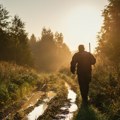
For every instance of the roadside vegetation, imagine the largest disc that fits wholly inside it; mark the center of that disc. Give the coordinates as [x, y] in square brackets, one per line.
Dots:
[105, 93]
[18, 83]
[15, 83]
[105, 87]
[49, 54]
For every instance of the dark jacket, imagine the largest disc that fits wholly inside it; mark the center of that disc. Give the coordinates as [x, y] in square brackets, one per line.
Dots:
[83, 61]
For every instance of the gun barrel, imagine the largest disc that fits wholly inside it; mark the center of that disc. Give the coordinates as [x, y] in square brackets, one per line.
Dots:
[89, 47]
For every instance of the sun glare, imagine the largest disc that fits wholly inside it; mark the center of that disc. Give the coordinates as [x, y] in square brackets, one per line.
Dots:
[82, 26]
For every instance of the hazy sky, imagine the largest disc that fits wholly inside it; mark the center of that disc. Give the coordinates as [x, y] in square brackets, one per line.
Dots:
[78, 20]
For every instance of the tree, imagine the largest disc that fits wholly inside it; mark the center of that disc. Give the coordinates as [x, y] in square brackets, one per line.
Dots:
[109, 37]
[32, 40]
[45, 51]
[4, 15]
[50, 53]
[19, 40]
[4, 36]
[59, 38]
[63, 52]
[13, 39]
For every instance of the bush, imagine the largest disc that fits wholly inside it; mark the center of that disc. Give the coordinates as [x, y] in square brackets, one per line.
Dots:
[15, 82]
[105, 92]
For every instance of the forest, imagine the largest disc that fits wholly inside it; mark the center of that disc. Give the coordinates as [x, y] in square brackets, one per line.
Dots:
[35, 72]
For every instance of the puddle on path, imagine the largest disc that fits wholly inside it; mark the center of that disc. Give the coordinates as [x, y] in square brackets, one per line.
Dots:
[39, 110]
[72, 108]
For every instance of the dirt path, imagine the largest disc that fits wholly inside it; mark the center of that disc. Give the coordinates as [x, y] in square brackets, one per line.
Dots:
[39, 99]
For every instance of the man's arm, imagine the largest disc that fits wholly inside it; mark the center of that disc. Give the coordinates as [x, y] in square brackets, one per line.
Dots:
[73, 64]
[92, 59]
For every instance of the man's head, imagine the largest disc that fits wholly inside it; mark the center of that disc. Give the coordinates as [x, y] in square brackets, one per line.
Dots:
[81, 48]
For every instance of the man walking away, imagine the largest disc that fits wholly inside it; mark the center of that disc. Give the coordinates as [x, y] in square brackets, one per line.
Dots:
[83, 61]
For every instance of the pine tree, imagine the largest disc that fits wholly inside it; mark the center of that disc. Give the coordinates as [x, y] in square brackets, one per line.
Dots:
[109, 37]
[19, 40]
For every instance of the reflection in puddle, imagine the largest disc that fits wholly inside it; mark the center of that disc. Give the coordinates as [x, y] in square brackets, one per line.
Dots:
[39, 110]
[73, 107]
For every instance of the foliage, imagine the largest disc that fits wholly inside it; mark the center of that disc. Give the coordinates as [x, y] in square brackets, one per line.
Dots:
[3, 17]
[105, 92]
[90, 113]
[15, 83]
[13, 40]
[109, 36]
[49, 53]
[105, 89]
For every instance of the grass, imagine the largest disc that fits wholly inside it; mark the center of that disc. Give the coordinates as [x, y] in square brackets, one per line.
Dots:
[90, 113]
[105, 93]
[16, 82]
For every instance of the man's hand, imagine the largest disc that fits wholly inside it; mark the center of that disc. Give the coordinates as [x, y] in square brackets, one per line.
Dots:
[73, 72]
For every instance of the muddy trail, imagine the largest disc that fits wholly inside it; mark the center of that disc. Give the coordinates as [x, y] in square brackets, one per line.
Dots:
[42, 105]
[49, 105]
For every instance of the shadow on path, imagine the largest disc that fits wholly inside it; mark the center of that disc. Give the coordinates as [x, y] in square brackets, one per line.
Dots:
[89, 113]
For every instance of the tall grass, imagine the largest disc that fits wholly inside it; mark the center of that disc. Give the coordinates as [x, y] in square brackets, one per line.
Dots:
[105, 92]
[15, 83]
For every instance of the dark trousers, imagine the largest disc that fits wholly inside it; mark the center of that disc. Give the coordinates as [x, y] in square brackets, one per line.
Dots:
[84, 80]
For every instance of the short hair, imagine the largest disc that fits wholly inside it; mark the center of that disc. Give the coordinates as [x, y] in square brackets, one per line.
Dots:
[81, 48]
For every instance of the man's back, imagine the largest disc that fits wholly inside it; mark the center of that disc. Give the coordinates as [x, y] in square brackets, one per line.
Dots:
[83, 60]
